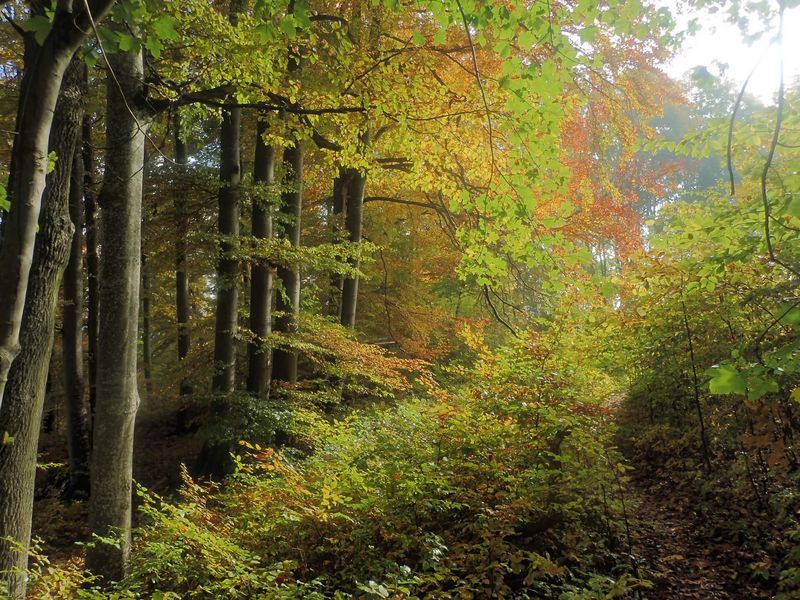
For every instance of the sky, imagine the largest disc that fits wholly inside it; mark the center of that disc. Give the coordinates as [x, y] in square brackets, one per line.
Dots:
[722, 41]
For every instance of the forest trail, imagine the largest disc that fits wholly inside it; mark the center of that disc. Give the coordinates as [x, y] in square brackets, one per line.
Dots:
[677, 551]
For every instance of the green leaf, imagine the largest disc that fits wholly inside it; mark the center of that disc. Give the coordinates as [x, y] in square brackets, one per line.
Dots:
[607, 289]
[527, 39]
[418, 38]
[51, 161]
[165, 28]
[90, 59]
[588, 34]
[761, 385]
[40, 26]
[154, 46]
[791, 315]
[109, 39]
[726, 380]
[126, 42]
[4, 203]
[793, 208]
[288, 27]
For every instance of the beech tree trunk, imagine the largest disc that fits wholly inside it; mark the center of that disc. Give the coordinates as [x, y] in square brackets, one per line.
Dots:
[21, 411]
[338, 202]
[41, 81]
[354, 182]
[181, 274]
[117, 393]
[72, 335]
[147, 350]
[92, 260]
[287, 303]
[215, 459]
[228, 267]
[261, 285]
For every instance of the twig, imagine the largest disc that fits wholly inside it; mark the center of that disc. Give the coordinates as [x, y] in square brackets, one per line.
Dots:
[730, 128]
[771, 154]
[483, 91]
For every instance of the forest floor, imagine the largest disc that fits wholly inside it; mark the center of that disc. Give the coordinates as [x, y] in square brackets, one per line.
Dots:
[686, 555]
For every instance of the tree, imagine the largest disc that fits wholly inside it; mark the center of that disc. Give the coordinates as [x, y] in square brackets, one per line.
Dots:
[41, 81]
[21, 412]
[72, 332]
[261, 277]
[287, 301]
[181, 274]
[117, 394]
[353, 184]
[215, 458]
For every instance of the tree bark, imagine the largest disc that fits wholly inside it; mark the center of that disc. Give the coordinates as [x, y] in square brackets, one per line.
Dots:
[261, 285]
[72, 335]
[92, 261]
[21, 412]
[287, 301]
[287, 304]
[228, 270]
[354, 182]
[147, 351]
[215, 459]
[117, 393]
[41, 82]
[338, 203]
[181, 274]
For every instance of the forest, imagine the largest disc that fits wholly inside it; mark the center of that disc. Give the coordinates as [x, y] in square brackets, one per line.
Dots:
[401, 299]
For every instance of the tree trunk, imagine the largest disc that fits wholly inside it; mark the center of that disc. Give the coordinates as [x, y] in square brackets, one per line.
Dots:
[92, 260]
[228, 266]
[147, 351]
[21, 412]
[355, 182]
[338, 204]
[215, 459]
[261, 286]
[287, 303]
[117, 394]
[181, 275]
[72, 336]
[41, 82]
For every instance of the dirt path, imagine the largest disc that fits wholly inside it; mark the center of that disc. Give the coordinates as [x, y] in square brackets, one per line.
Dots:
[678, 553]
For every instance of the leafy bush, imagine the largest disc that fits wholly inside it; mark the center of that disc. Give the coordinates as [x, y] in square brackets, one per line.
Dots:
[501, 486]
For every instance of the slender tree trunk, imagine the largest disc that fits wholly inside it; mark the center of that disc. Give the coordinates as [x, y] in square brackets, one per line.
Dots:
[181, 274]
[261, 286]
[287, 303]
[21, 412]
[92, 260]
[228, 269]
[696, 387]
[355, 182]
[338, 204]
[72, 336]
[41, 81]
[215, 459]
[147, 351]
[117, 394]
